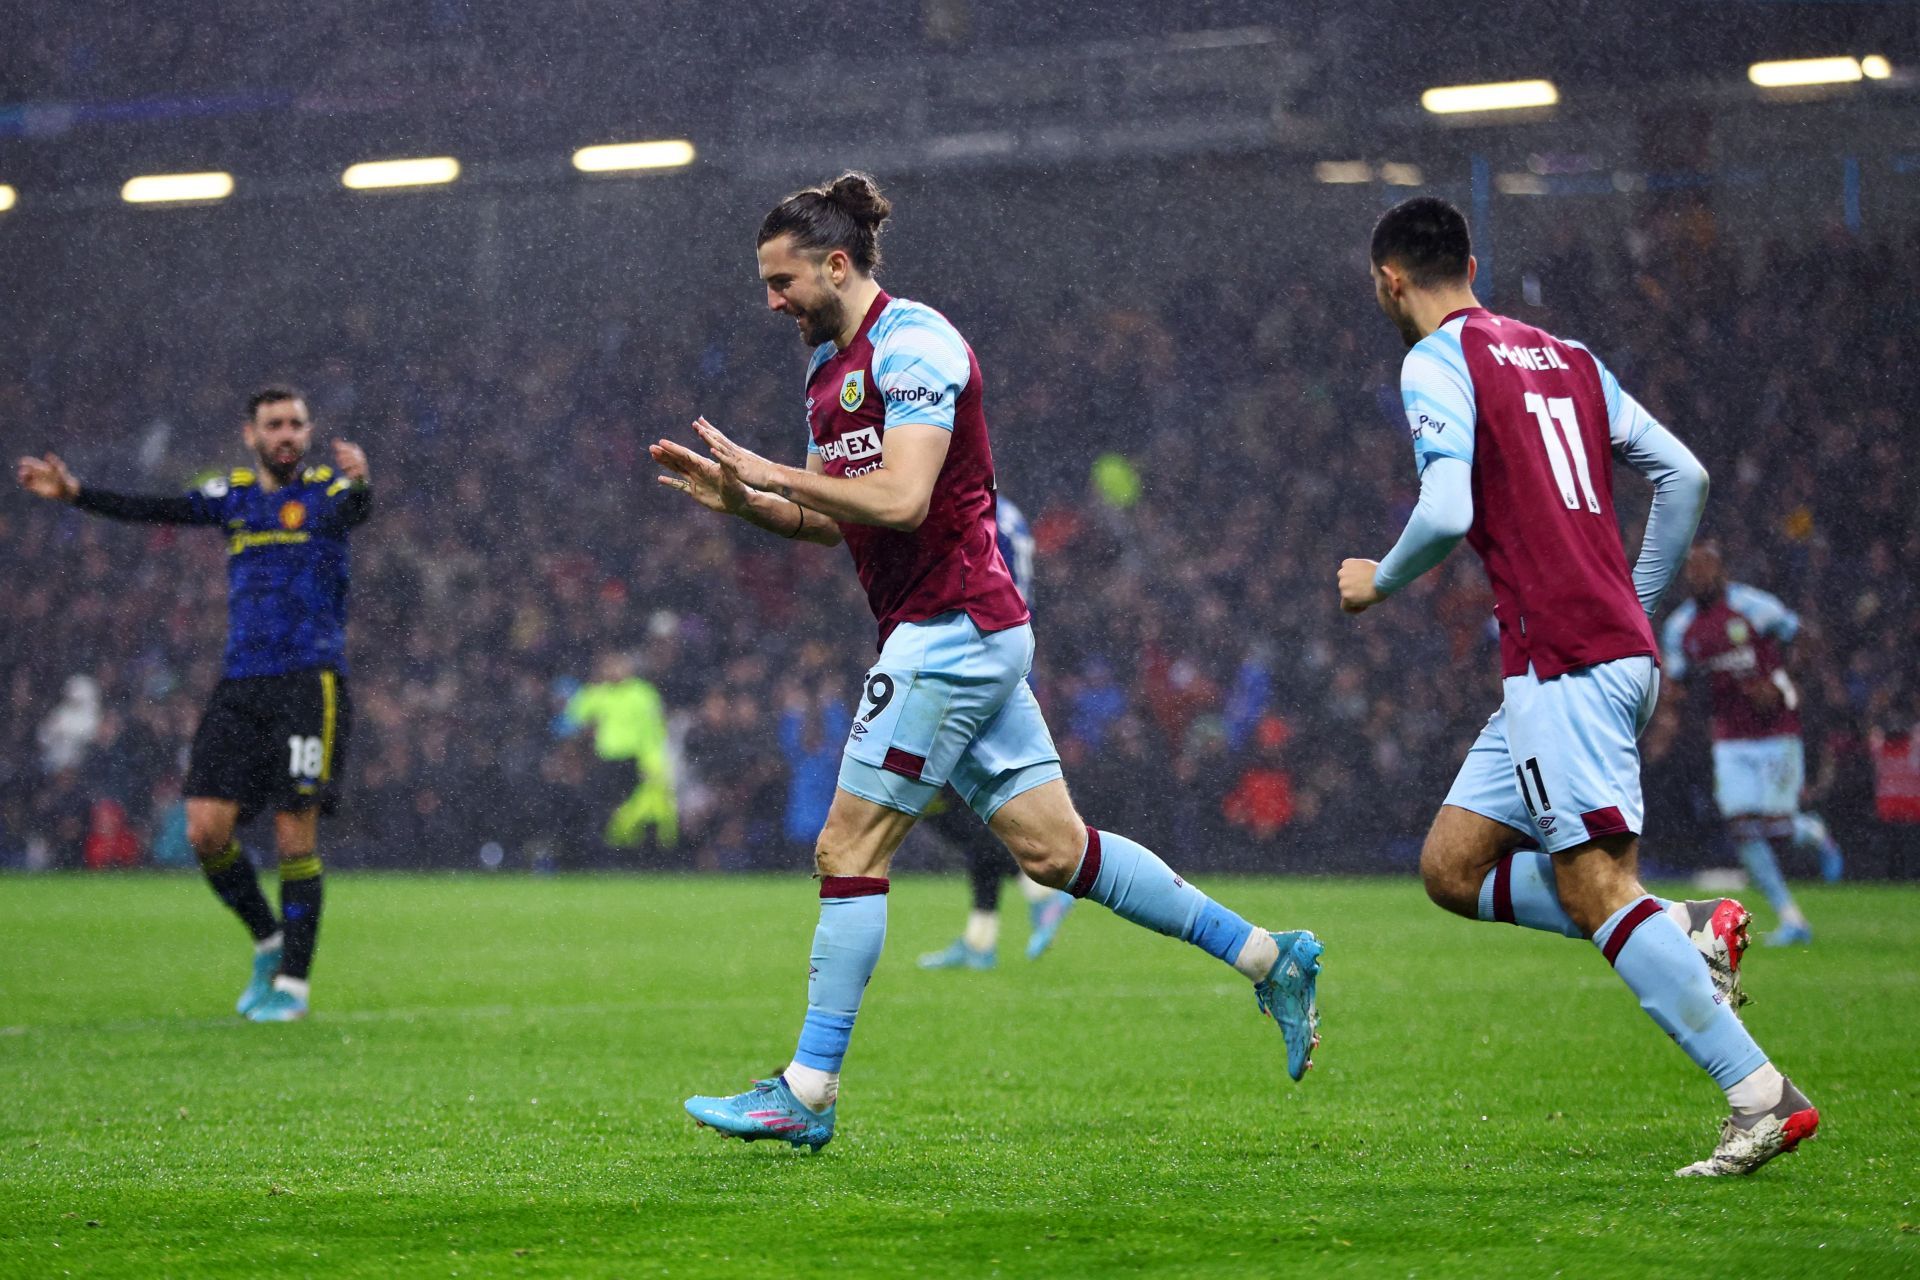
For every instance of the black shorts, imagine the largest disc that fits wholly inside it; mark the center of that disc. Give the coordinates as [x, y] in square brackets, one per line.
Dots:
[272, 742]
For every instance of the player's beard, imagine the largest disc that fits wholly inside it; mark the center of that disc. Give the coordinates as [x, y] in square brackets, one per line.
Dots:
[822, 323]
[1403, 321]
[282, 472]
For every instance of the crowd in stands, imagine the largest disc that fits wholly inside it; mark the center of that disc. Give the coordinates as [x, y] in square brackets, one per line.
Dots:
[1195, 467]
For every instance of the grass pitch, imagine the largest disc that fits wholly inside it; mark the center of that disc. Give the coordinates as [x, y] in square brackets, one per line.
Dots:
[491, 1086]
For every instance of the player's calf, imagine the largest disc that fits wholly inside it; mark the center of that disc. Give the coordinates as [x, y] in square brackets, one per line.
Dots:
[1135, 884]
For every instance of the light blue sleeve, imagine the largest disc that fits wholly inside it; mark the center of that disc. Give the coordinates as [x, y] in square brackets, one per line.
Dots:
[1764, 611]
[920, 367]
[1437, 393]
[1679, 486]
[1439, 520]
[821, 354]
[1673, 649]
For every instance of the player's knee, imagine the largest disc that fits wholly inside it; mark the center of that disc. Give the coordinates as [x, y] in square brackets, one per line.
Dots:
[1596, 880]
[835, 854]
[1053, 868]
[1044, 833]
[208, 836]
[1049, 853]
[1449, 881]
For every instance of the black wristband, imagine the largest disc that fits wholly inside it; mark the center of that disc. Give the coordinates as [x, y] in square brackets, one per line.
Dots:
[803, 520]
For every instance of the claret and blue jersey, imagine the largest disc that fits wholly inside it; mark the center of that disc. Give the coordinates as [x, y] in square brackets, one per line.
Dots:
[1537, 419]
[907, 365]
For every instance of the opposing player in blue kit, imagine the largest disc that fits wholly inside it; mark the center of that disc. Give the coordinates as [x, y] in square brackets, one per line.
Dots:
[1515, 433]
[900, 471]
[275, 730]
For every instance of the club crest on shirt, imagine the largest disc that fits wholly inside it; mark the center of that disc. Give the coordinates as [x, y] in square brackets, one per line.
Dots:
[293, 514]
[1738, 632]
[853, 392]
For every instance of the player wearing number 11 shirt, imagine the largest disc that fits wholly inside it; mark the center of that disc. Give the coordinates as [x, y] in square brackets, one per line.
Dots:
[1515, 432]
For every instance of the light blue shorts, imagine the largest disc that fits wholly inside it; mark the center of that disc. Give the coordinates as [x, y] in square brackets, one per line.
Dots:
[1759, 777]
[949, 703]
[1560, 759]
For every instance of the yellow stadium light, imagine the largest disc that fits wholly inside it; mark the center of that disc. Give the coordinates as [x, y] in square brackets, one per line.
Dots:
[1401, 175]
[1520, 184]
[1508, 96]
[616, 157]
[426, 171]
[169, 188]
[8, 197]
[1804, 71]
[1340, 171]
[1875, 67]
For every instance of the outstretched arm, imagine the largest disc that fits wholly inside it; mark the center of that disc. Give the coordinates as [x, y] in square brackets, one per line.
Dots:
[894, 495]
[703, 480]
[49, 477]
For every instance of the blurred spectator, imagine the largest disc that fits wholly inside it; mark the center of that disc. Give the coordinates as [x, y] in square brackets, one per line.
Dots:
[813, 729]
[1261, 802]
[69, 728]
[518, 538]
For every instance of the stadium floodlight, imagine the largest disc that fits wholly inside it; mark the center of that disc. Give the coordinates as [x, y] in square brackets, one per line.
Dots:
[1520, 184]
[8, 197]
[1342, 171]
[1796, 72]
[1875, 67]
[1510, 95]
[1401, 175]
[175, 188]
[425, 171]
[620, 157]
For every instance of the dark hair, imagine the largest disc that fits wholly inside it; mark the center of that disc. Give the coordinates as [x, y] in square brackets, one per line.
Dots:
[1427, 238]
[844, 214]
[273, 393]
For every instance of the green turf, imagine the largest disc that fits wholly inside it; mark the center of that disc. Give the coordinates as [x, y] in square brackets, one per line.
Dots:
[491, 1085]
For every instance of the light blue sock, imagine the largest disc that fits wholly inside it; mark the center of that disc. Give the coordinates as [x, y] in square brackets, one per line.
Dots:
[1651, 954]
[1131, 881]
[1521, 890]
[1756, 854]
[846, 947]
[1810, 832]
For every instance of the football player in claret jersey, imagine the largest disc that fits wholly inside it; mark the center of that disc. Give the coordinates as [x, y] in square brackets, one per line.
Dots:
[275, 730]
[1736, 635]
[988, 863]
[899, 469]
[1515, 432]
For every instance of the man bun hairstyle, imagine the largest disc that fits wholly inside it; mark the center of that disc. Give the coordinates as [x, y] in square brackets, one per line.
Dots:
[843, 214]
[272, 393]
[1427, 238]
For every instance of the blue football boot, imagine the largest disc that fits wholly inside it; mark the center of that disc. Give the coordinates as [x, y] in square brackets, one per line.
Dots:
[1790, 935]
[1286, 996]
[266, 964]
[958, 956]
[768, 1110]
[278, 1006]
[1047, 915]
